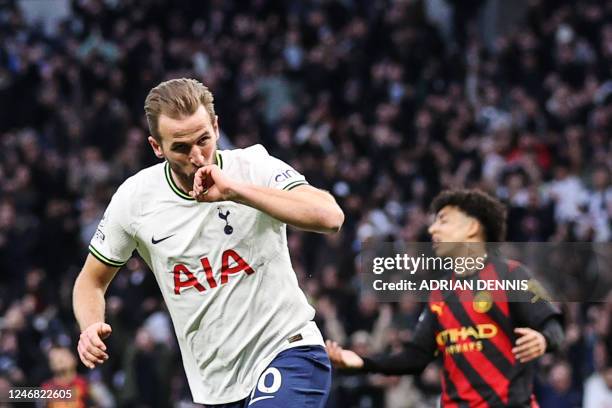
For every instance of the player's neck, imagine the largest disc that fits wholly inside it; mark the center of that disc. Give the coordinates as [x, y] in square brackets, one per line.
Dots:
[181, 182]
[470, 249]
[476, 269]
[477, 252]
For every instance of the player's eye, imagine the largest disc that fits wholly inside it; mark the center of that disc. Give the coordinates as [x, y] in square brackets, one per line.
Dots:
[180, 148]
[202, 141]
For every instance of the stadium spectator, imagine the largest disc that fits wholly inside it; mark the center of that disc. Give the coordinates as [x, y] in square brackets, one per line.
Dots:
[63, 366]
[598, 389]
[560, 392]
[146, 366]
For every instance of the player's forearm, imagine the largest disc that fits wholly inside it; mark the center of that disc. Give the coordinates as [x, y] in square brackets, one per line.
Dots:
[312, 210]
[553, 333]
[412, 360]
[88, 302]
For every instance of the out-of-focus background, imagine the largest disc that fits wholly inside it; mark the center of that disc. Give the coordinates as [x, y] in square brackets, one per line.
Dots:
[383, 103]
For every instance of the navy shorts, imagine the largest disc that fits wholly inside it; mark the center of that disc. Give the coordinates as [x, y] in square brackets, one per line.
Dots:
[299, 377]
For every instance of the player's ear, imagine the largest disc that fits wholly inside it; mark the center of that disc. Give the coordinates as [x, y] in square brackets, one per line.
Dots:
[157, 149]
[474, 228]
[216, 127]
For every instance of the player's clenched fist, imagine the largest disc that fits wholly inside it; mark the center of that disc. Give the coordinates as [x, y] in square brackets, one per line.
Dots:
[210, 185]
[92, 349]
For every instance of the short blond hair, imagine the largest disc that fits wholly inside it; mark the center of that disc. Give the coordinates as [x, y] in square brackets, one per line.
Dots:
[176, 98]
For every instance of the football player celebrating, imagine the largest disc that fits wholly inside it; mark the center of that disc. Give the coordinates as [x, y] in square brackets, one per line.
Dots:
[488, 344]
[211, 225]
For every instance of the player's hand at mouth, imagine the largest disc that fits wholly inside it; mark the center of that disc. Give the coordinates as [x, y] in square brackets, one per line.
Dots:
[211, 185]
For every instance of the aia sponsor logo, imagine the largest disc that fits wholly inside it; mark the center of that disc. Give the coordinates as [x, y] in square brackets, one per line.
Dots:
[231, 263]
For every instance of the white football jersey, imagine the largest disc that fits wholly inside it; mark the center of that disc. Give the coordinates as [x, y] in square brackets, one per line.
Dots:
[223, 269]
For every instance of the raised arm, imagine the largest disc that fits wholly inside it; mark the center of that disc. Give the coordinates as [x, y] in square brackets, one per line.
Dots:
[88, 304]
[304, 207]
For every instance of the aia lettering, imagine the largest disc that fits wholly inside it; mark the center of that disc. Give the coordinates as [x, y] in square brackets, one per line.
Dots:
[190, 281]
[229, 257]
[241, 265]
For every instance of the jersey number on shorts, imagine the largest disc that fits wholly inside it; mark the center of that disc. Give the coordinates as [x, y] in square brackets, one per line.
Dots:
[229, 256]
[267, 389]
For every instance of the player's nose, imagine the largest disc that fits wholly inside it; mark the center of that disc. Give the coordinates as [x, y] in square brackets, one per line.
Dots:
[432, 229]
[196, 157]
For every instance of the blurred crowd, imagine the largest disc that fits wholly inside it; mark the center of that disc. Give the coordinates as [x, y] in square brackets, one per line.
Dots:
[381, 102]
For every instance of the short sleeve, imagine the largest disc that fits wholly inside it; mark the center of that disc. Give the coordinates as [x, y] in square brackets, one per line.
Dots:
[113, 241]
[275, 173]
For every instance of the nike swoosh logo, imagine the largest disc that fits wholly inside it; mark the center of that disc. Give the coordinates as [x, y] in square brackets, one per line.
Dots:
[259, 399]
[157, 241]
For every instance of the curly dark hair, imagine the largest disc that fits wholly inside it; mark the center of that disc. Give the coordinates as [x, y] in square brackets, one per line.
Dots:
[489, 211]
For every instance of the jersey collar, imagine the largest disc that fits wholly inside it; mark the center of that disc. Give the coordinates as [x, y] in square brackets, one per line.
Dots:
[179, 191]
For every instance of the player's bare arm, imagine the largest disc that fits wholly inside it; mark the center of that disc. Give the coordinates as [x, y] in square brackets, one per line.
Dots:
[88, 304]
[304, 207]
